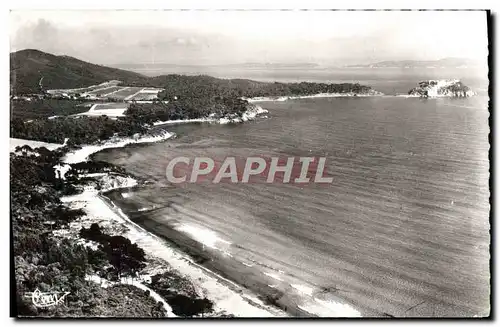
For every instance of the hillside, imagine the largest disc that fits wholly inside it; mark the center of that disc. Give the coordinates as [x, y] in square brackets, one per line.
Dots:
[27, 67]
[63, 72]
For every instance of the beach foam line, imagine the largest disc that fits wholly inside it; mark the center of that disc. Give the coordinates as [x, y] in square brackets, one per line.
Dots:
[323, 308]
[303, 289]
[204, 236]
[274, 276]
[218, 289]
[226, 295]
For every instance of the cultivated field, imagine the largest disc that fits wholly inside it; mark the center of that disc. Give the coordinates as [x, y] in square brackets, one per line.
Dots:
[111, 90]
[105, 91]
[84, 89]
[111, 105]
[109, 109]
[141, 96]
[126, 93]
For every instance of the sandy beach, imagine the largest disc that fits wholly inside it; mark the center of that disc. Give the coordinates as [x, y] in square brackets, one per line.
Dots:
[228, 297]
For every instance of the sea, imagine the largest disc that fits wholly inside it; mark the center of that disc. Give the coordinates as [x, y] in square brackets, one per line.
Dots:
[402, 231]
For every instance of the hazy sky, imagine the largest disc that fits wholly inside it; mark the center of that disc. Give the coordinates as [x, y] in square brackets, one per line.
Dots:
[218, 37]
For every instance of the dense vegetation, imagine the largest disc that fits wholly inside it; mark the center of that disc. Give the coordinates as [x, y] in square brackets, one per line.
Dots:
[186, 108]
[50, 264]
[457, 89]
[125, 256]
[188, 97]
[54, 264]
[181, 86]
[88, 130]
[451, 89]
[182, 305]
[128, 258]
[79, 130]
[44, 108]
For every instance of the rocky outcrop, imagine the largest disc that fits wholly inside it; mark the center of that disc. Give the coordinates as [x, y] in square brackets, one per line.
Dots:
[441, 88]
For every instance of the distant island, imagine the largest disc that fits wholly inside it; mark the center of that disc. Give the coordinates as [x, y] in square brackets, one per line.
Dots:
[441, 63]
[441, 88]
[193, 67]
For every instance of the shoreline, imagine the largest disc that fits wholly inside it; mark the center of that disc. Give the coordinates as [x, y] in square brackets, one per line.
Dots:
[299, 299]
[348, 95]
[221, 290]
[15, 142]
[227, 296]
[83, 201]
[248, 115]
[312, 96]
[84, 153]
[233, 297]
[154, 243]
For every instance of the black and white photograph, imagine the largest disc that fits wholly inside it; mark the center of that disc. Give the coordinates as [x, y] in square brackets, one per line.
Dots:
[223, 164]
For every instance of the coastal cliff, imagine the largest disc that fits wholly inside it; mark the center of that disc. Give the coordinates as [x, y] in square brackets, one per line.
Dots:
[441, 88]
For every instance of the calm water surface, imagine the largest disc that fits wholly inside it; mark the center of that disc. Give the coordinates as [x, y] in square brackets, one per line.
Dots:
[403, 230]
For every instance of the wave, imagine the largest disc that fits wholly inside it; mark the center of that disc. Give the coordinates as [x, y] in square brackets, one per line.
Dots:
[204, 236]
[303, 289]
[226, 296]
[274, 276]
[327, 308]
[237, 302]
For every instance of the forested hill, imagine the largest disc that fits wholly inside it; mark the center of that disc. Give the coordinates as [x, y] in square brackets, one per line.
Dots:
[63, 72]
[28, 66]
[202, 86]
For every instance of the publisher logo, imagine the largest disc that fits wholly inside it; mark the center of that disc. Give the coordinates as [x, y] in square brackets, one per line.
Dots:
[255, 169]
[46, 299]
